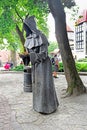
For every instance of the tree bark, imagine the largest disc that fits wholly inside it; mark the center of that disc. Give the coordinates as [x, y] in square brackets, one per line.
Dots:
[75, 84]
[13, 58]
[20, 33]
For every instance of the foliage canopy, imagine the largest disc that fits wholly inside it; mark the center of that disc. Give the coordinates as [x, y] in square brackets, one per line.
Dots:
[13, 12]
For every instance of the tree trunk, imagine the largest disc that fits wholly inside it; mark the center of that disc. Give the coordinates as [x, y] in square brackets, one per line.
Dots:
[13, 58]
[20, 33]
[75, 85]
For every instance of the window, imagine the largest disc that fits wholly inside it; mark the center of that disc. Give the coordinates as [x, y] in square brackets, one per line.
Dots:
[86, 42]
[79, 37]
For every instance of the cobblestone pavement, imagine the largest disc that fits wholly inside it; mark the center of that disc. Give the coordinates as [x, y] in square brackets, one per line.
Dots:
[16, 111]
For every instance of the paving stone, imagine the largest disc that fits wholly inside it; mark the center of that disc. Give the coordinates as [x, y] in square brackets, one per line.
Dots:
[16, 112]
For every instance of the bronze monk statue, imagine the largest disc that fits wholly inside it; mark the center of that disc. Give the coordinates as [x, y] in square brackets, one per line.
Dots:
[44, 95]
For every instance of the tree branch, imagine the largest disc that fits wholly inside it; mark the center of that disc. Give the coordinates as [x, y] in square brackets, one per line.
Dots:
[20, 35]
[18, 14]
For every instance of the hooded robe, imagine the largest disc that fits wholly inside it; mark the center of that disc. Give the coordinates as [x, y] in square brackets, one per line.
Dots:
[44, 94]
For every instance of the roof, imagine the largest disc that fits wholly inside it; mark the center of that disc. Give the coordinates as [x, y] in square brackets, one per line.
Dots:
[83, 17]
[68, 29]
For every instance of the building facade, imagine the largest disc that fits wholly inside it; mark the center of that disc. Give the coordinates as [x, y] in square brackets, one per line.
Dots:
[80, 44]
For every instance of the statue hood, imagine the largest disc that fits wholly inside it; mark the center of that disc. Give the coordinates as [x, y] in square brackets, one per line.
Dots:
[31, 23]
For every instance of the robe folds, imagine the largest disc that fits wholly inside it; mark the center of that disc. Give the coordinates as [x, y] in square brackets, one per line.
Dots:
[44, 94]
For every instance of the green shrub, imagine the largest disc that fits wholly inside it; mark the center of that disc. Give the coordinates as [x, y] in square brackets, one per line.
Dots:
[81, 66]
[18, 68]
[78, 66]
[61, 69]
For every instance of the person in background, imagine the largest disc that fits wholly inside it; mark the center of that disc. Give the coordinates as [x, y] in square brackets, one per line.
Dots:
[56, 66]
[7, 66]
